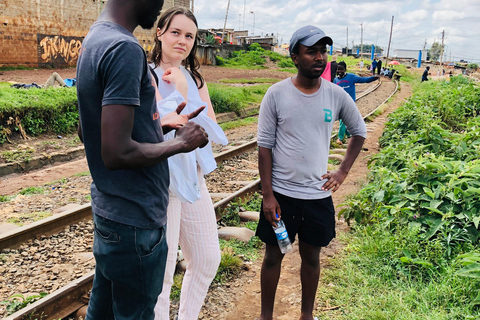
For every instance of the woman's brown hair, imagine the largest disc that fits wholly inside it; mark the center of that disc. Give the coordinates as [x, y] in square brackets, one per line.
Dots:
[191, 63]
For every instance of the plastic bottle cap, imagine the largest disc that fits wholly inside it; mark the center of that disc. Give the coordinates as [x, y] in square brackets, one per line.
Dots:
[276, 214]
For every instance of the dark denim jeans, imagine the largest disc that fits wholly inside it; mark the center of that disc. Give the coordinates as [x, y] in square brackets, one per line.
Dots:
[130, 265]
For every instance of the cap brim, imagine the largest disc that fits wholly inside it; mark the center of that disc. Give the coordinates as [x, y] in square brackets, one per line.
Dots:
[310, 41]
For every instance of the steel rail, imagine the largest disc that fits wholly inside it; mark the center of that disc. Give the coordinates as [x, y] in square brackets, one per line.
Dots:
[69, 299]
[50, 225]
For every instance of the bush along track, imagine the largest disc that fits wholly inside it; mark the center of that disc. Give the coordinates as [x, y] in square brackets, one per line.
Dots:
[417, 221]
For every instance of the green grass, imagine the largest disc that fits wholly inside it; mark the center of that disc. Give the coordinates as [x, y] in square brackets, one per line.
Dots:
[227, 98]
[24, 155]
[82, 174]
[255, 80]
[291, 70]
[238, 123]
[5, 198]
[32, 190]
[11, 68]
[35, 216]
[38, 110]
[369, 281]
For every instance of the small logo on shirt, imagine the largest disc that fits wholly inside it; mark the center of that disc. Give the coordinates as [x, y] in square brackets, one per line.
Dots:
[328, 115]
[156, 116]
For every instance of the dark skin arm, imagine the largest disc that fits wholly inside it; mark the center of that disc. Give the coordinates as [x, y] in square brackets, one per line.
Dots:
[174, 120]
[270, 204]
[79, 131]
[120, 151]
[336, 178]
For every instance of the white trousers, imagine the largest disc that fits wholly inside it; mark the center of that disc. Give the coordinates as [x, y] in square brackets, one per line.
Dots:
[193, 226]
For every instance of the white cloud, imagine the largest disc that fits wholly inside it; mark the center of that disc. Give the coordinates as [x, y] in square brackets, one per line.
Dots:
[414, 20]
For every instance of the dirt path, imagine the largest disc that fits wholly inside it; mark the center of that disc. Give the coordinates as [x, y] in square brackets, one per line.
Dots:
[246, 304]
[211, 74]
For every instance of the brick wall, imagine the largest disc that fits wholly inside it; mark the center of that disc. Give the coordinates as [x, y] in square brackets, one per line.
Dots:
[50, 32]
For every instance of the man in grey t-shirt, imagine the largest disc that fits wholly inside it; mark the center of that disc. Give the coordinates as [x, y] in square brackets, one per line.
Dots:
[294, 130]
[126, 154]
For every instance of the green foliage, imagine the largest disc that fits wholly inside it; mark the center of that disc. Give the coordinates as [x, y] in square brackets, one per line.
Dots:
[254, 58]
[255, 47]
[435, 51]
[210, 39]
[19, 301]
[238, 123]
[38, 110]
[231, 215]
[230, 265]
[250, 81]
[286, 63]
[231, 99]
[29, 217]
[24, 155]
[219, 61]
[176, 287]
[32, 190]
[472, 66]
[369, 280]
[427, 176]
[5, 198]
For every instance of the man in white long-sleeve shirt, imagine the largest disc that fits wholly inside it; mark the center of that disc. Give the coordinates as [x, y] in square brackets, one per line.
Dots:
[294, 131]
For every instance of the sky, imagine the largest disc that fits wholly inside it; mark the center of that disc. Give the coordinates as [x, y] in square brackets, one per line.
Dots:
[416, 23]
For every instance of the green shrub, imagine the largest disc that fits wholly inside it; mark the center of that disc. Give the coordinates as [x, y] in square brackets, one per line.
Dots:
[37, 111]
[286, 63]
[255, 47]
[428, 173]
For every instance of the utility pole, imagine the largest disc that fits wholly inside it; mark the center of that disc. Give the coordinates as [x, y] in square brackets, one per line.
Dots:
[389, 40]
[225, 24]
[347, 41]
[361, 41]
[441, 52]
[244, 4]
[239, 15]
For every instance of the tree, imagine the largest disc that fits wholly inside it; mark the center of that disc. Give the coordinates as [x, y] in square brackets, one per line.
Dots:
[472, 66]
[435, 51]
[367, 48]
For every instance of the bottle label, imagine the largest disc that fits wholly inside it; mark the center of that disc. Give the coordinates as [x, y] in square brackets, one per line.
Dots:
[281, 235]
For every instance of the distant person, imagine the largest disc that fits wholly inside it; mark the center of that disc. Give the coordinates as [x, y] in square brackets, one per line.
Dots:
[330, 70]
[294, 131]
[126, 154]
[361, 65]
[374, 66]
[379, 66]
[391, 73]
[54, 78]
[425, 74]
[347, 81]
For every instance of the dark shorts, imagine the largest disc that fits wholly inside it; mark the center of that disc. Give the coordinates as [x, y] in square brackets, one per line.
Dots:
[312, 220]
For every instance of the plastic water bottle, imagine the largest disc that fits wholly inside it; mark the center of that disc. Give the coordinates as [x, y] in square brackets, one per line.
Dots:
[282, 237]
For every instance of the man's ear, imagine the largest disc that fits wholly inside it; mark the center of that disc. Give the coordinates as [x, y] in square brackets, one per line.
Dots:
[294, 57]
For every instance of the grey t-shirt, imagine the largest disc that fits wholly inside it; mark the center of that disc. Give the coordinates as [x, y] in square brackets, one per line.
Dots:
[112, 70]
[297, 128]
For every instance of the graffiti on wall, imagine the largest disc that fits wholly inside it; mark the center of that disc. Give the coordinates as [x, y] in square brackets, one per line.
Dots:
[58, 50]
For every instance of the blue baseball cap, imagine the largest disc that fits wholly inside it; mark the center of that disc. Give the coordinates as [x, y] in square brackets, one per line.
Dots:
[308, 36]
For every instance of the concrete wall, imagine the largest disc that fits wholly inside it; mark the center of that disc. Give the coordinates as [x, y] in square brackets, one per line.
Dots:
[50, 32]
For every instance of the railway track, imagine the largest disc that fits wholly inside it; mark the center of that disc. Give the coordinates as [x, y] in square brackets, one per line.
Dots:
[68, 299]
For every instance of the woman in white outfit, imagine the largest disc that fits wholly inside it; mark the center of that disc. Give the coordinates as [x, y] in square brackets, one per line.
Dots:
[191, 218]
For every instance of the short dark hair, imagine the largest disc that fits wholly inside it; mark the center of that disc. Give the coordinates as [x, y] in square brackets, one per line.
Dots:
[342, 63]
